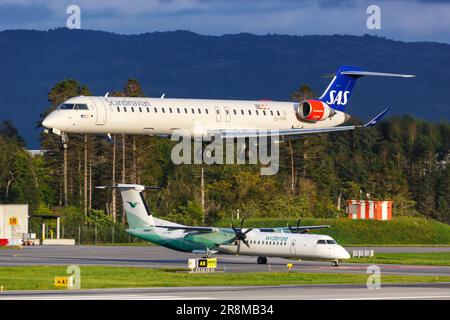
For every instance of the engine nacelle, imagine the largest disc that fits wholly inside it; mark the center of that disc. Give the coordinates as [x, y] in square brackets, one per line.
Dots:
[314, 110]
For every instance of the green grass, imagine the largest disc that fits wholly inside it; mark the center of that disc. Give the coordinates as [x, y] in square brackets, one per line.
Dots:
[431, 259]
[42, 277]
[399, 231]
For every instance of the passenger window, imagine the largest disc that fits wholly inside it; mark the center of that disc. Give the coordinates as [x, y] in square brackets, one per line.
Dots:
[124, 109]
[132, 109]
[199, 111]
[271, 112]
[178, 110]
[242, 112]
[156, 110]
[249, 112]
[192, 110]
[170, 110]
[148, 110]
[163, 111]
[185, 110]
[118, 109]
[217, 111]
[207, 112]
[278, 113]
[234, 111]
[257, 113]
[264, 112]
[140, 109]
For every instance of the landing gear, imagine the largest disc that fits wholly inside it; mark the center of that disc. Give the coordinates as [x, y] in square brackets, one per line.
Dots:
[64, 140]
[335, 263]
[261, 260]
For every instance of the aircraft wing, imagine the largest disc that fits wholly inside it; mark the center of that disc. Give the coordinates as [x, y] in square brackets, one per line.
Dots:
[303, 228]
[295, 132]
[189, 228]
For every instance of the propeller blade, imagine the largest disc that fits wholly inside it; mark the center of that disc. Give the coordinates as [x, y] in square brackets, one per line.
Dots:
[242, 222]
[248, 230]
[238, 247]
[246, 243]
[298, 222]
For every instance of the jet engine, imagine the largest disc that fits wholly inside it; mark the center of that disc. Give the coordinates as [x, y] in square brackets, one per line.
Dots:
[314, 110]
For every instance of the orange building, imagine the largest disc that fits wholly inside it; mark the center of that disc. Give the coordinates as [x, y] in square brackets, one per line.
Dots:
[366, 209]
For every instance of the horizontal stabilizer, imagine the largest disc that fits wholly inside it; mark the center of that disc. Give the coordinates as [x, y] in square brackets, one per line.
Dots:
[357, 73]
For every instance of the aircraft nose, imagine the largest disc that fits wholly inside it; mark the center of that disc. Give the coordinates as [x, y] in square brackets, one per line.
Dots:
[49, 121]
[344, 254]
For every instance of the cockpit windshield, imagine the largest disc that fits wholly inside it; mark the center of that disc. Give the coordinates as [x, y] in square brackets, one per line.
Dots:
[326, 242]
[71, 106]
[66, 106]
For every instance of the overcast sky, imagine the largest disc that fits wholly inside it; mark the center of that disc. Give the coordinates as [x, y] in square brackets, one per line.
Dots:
[413, 20]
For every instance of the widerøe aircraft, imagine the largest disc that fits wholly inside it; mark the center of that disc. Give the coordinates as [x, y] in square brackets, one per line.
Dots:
[204, 117]
[284, 242]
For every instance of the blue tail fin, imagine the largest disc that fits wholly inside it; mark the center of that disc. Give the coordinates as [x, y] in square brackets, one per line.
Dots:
[340, 89]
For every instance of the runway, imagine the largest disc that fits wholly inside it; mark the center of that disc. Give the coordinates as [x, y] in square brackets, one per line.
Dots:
[306, 292]
[159, 257]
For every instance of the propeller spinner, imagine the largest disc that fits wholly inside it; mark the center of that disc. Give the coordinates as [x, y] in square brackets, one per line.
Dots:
[240, 236]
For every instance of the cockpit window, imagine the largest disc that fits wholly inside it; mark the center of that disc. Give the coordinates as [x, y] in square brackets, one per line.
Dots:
[81, 107]
[321, 242]
[66, 106]
[331, 242]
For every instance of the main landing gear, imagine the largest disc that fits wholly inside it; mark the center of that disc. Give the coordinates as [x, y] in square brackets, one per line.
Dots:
[335, 263]
[261, 260]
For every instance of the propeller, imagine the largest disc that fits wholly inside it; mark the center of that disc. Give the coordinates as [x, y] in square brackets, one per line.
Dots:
[296, 229]
[240, 236]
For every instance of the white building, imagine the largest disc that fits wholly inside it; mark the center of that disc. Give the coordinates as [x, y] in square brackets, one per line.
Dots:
[13, 221]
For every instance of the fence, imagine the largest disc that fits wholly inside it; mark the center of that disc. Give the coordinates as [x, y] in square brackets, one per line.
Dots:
[90, 234]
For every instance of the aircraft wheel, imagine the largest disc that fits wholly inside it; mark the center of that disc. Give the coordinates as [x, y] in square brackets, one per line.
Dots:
[335, 263]
[261, 260]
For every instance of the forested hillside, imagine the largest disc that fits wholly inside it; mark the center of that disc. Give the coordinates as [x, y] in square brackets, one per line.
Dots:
[183, 64]
[403, 158]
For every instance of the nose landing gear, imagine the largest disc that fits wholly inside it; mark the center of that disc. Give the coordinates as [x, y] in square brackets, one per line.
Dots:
[335, 263]
[64, 140]
[261, 260]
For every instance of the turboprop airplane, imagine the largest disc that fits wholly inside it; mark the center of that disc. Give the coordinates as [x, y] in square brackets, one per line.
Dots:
[203, 117]
[284, 242]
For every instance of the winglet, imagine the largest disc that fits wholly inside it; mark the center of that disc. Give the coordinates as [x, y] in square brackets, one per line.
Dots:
[375, 120]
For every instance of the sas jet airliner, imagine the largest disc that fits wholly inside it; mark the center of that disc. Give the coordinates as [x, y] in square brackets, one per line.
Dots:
[201, 117]
[288, 242]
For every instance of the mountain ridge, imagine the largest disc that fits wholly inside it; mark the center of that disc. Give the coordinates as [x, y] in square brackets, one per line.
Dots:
[185, 64]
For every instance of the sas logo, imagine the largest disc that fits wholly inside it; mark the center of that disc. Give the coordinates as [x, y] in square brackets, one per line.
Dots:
[339, 98]
[132, 204]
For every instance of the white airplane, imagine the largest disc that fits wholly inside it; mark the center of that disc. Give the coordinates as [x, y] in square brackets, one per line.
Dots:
[202, 117]
[288, 242]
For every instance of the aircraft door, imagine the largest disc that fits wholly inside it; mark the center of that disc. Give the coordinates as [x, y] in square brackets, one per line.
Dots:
[218, 114]
[101, 112]
[293, 251]
[227, 114]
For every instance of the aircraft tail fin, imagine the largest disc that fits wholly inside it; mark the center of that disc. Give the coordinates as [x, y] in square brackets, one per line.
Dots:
[136, 209]
[338, 92]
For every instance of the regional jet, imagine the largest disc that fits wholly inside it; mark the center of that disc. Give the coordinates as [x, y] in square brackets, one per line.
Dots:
[284, 242]
[202, 118]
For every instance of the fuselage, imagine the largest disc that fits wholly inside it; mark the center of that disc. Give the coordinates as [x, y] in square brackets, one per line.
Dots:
[150, 116]
[268, 244]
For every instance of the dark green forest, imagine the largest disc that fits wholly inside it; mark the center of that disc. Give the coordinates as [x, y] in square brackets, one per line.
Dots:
[403, 159]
